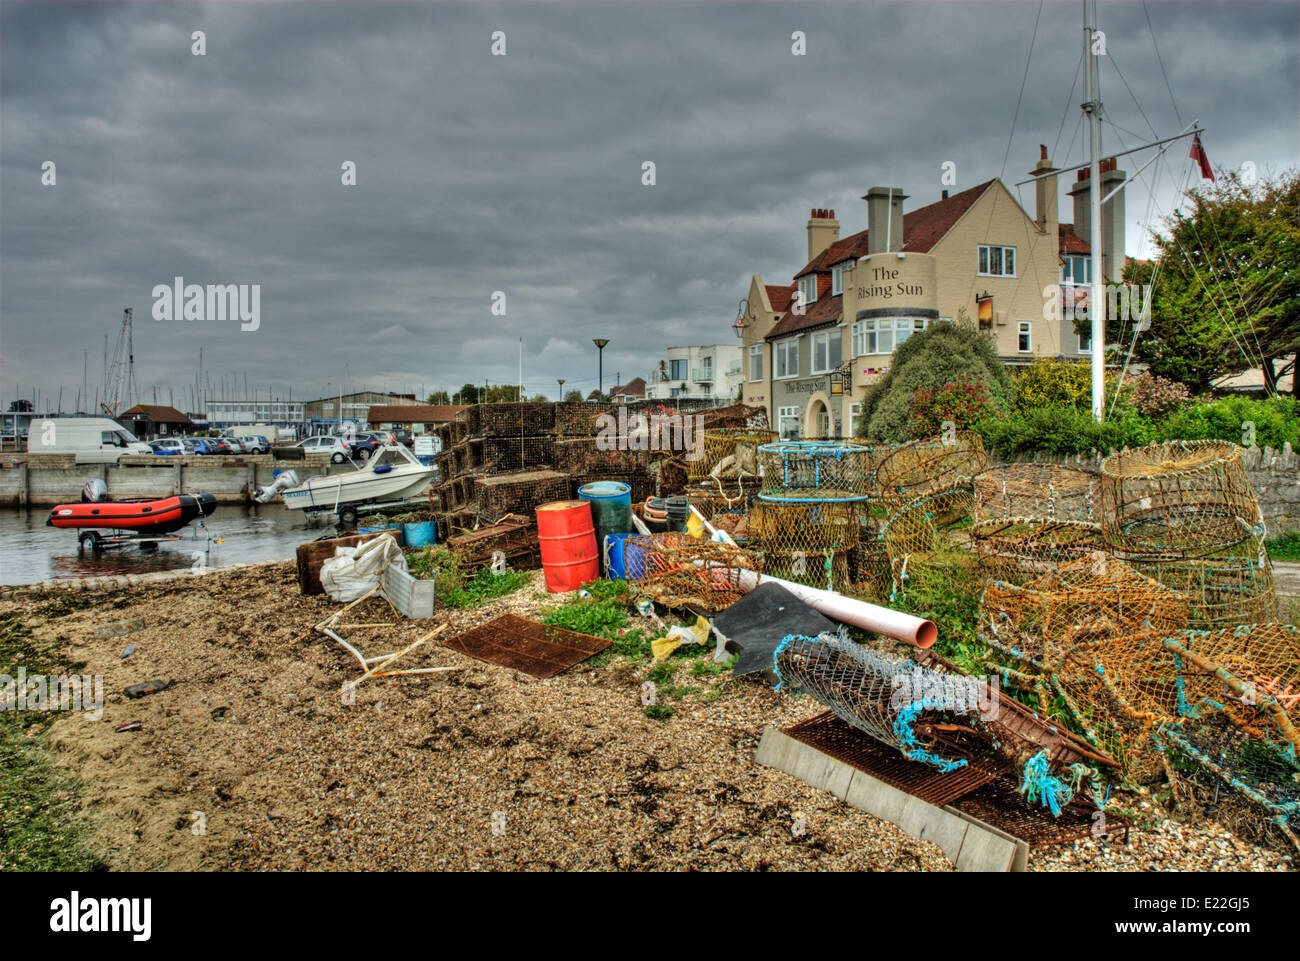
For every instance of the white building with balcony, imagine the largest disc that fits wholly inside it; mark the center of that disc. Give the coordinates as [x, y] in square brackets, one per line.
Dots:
[698, 373]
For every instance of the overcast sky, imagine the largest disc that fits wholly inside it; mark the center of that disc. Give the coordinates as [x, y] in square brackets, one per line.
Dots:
[523, 173]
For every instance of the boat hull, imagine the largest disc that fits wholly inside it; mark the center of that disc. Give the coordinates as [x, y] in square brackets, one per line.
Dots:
[160, 515]
[323, 493]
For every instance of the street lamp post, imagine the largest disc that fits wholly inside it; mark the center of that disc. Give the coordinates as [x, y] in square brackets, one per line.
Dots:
[560, 380]
[600, 343]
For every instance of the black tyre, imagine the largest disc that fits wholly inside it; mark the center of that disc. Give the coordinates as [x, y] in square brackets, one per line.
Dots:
[91, 541]
[337, 457]
[363, 455]
[347, 517]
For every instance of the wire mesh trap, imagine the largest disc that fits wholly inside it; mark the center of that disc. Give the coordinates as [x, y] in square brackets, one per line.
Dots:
[1018, 549]
[815, 471]
[1179, 498]
[927, 538]
[808, 543]
[524, 645]
[926, 466]
[730, 452]
[680, 571]
[1050, 492]
[1232, 586]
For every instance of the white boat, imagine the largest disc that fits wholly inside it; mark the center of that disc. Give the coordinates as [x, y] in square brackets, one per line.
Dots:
[392, 473]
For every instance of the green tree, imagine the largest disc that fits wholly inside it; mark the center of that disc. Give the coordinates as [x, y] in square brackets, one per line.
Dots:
[469, 394]
[573, 397]
[941, 355]
[438, 397]
[1227, 285]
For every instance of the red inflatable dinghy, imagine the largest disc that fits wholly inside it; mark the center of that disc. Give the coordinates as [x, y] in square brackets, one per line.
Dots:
[147, 516]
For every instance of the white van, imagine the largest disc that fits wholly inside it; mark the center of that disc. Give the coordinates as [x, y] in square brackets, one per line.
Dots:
[95, 440]
[273, 435]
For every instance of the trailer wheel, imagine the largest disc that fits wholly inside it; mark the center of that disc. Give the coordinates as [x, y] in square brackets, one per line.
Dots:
[90, 540]
[347, 517]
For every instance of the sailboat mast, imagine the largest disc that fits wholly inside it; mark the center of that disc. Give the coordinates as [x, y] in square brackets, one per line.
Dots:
[1096, 297]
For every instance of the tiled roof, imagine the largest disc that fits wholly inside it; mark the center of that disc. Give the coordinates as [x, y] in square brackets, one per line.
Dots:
[413, 413]
[1072, 243]
[779, 297]
[825, 311]
[159, 414]
[922, 229]
[634, 388]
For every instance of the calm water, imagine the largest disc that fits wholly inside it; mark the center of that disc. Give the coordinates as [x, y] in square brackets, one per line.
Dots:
[30, 551]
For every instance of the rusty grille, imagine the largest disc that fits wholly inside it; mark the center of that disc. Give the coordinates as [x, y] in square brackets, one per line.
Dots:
[999, 804]
[838, 739]
[527, 646]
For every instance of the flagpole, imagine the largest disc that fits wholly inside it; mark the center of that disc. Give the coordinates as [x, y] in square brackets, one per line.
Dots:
[1096, 299]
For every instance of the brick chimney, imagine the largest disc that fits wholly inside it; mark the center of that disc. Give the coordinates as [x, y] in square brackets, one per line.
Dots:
[823, 230]
[1112, 216]
[884, 219]
[1047, 200]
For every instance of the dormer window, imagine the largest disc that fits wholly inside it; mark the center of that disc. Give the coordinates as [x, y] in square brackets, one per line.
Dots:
[808, 289]
[837, 276]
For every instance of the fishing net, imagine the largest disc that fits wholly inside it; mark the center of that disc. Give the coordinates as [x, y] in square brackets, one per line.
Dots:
[816, 471]
[1019, 549]
[808, 543]
[1041, 491]
[1179, 498]
[680, 571]
[731, 453]
[1230, 586]
[714, 496]
[930, 538]
[927, 466]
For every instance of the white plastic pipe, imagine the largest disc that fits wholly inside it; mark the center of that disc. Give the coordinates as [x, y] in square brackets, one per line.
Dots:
[870, 617]
[916, 631]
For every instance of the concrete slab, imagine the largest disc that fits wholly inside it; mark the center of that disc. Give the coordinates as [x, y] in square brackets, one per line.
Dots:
[968, 842]
[1287, 575]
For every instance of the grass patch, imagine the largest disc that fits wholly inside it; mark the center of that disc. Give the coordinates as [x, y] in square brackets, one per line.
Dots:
[660, 712]
[454, 585]
[484, 587]
[1284, 548]
[39, 827]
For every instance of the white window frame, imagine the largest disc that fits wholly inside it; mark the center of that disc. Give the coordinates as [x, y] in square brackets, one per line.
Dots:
[808, 288]
[782, 415]
[983, 260]
[1079, 343]
[827, 337]
[782, 350]
[855, 414]
[837, 276]
[1025, 329]
[756, 358]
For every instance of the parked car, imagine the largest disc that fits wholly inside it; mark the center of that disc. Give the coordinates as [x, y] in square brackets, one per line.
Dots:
[257, 445]
[362, 445]
[169, 446]
[383, 436]
[404, 437]
[322, 444]
[235, 444]
[199, 445]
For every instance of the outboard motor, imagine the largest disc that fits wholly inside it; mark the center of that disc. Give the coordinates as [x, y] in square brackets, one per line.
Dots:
[283, 481]
[94, 491]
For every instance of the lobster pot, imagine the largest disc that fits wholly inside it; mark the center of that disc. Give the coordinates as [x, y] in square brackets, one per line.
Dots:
[731, 452]
[590, 455]
[1049, 492]
[583, 420]
[497, 495]
[815, 471]
[568, 543]
[680, 571]
[515, 420]
[714, 497]
[1179, 498]
[923, 467]
[1018, 549]
[806, 543]
[1236, 587]
[498, 455]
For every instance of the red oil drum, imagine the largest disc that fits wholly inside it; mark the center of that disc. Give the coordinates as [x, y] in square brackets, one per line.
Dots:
[568, 540]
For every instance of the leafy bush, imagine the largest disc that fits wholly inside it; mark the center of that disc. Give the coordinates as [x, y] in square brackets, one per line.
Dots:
[1276, 420]
[940, 355]
[1154, 396]
[1054, 383]
[963, 402]
[1061, 430]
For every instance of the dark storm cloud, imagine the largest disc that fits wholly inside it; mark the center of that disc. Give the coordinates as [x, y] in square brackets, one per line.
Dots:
[522, 174]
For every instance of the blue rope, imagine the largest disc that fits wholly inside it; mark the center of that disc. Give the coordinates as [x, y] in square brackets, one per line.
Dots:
[1039, 784]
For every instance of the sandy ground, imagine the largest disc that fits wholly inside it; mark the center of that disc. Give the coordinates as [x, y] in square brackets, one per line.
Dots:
[253, 760]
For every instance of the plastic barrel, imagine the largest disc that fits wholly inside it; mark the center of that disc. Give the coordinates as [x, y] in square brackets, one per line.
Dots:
[568, 542]
[614, 550]
[420, 533]
[656, 515]
[679, 509]
[611, 507]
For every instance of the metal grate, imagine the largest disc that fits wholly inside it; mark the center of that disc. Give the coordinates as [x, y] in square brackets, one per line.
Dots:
[838, 739]
[1000, 805]
[527, 646]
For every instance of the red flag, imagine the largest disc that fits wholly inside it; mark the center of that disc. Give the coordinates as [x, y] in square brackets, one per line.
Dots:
[1198, 154]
